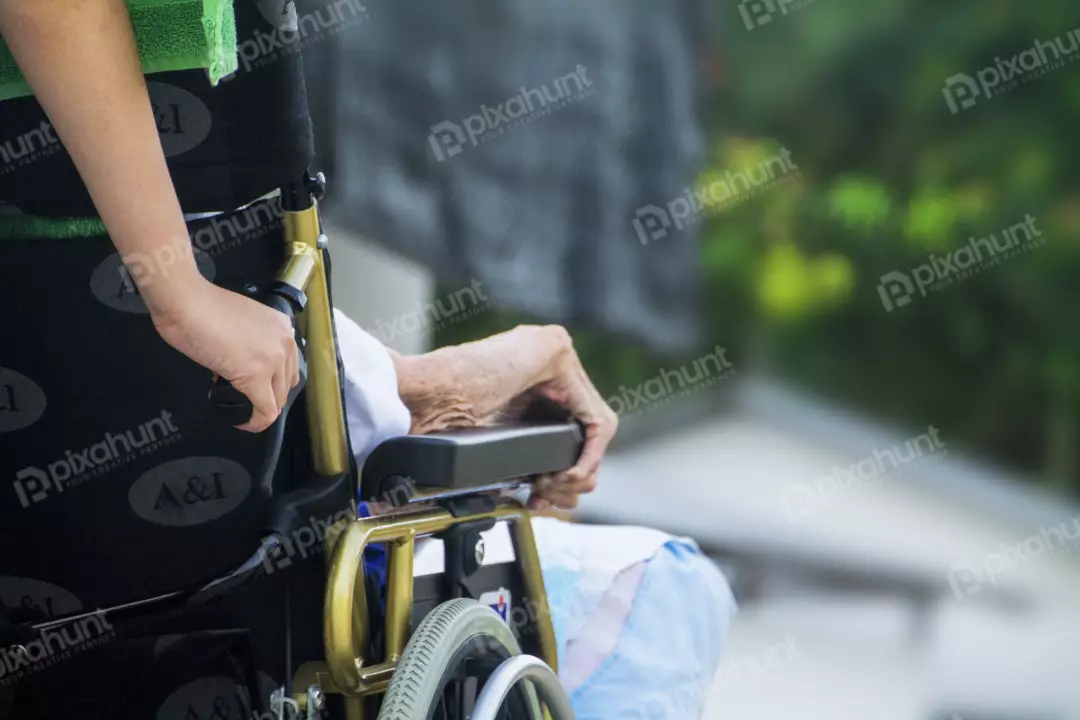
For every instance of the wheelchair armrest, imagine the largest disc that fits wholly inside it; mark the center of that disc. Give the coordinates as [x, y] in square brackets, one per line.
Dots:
[469, 460]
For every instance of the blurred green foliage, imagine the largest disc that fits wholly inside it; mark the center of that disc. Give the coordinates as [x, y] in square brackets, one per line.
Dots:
[887, 175]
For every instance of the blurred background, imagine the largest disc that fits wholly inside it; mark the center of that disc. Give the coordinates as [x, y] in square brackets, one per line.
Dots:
[822, 256]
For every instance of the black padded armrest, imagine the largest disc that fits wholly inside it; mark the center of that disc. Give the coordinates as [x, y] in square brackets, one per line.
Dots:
[468, 460]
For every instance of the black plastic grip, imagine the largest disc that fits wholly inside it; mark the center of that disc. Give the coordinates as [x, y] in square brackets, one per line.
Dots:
[232, 405]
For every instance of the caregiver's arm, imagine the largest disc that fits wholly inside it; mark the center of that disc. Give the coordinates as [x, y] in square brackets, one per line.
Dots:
[80, 58]
[460, 386]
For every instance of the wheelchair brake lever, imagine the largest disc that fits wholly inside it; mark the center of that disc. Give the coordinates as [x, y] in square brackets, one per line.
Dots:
[231, 404]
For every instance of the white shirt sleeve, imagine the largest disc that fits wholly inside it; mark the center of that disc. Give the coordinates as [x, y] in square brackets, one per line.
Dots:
[373, 409]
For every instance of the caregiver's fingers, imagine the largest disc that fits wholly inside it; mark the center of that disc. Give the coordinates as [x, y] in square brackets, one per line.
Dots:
[280, 383]
[264, 405]
[293, 371]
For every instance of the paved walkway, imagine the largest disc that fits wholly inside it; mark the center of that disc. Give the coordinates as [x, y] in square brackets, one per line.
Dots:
[755, 480]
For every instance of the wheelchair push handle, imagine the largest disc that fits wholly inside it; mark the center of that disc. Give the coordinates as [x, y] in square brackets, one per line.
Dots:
[232, 405]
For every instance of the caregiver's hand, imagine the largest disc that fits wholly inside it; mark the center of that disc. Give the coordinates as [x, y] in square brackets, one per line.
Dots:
[479, 383]
[243, 341]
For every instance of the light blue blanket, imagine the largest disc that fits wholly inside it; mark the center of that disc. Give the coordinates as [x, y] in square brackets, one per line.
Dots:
[657, 660]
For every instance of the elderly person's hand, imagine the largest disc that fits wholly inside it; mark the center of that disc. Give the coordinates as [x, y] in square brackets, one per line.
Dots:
[491, 380]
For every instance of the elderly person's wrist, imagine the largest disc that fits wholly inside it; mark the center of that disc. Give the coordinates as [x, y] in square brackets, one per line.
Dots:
[464, 385]
[557, 340]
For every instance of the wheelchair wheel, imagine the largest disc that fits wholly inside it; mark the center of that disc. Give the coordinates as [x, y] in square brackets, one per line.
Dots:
[450, 656]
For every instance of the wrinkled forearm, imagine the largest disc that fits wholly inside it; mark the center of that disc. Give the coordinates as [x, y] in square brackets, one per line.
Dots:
[468, 385]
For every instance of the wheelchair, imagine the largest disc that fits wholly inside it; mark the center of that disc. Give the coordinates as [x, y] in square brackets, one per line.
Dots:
[352, 645]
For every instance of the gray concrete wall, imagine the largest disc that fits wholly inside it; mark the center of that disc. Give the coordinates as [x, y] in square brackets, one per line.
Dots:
[376, 288]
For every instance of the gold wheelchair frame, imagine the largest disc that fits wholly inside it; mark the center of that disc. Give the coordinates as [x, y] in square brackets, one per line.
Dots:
[346, 628]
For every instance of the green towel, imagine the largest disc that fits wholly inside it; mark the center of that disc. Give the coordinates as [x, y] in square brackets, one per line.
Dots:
[171, 35]
[31, 227]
